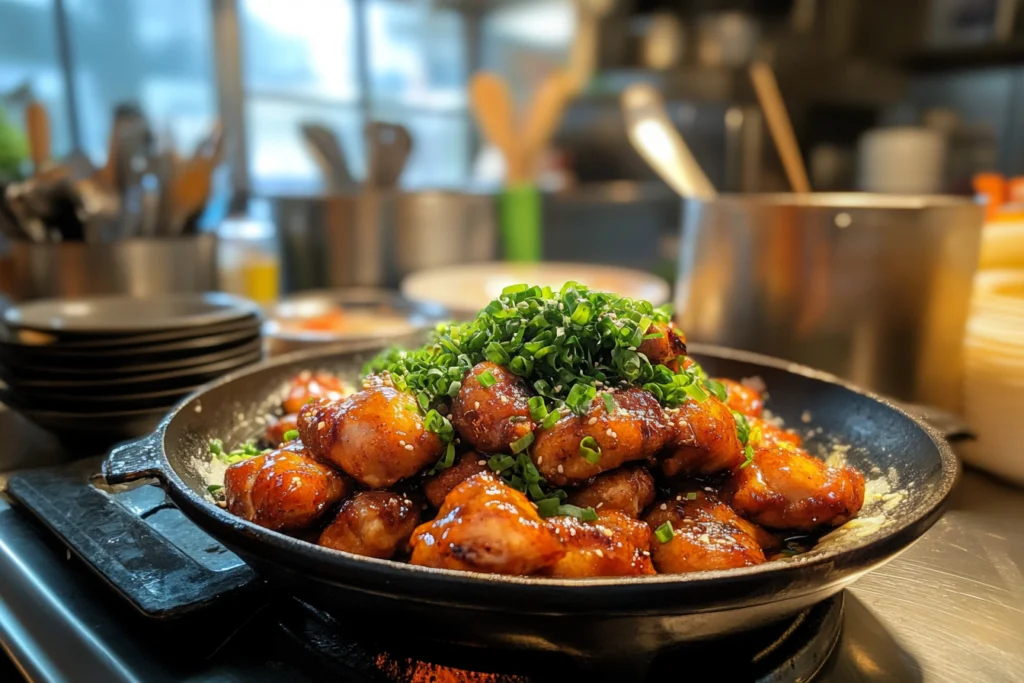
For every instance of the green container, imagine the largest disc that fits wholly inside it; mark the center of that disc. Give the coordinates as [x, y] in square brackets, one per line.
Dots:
[520, 216]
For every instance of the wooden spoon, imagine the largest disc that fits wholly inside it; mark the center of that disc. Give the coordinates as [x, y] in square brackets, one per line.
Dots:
[780, 125]
[37, 125]
[495, 114]
[543, 117]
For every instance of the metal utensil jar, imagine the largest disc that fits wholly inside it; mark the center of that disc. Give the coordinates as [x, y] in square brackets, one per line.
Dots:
[137, 267]
[376, 238]
[874, 288]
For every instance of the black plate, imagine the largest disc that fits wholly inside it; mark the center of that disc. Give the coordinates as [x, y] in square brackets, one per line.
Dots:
[76, 318]
[56, 358]
[15, 373]
[119, 341]
[39, 391]
[94, 404]
[96, 432]
[598, 619]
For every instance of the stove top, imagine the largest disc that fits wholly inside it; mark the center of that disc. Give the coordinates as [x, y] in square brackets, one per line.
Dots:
[117, 585]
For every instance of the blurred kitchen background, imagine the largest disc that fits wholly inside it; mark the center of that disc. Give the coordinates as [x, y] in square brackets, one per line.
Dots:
[277, 149]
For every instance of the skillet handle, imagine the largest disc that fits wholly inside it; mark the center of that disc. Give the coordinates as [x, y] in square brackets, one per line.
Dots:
[134, 460]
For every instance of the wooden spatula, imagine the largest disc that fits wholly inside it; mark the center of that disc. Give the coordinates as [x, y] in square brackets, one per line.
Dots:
[495, 114]
[37, 126]
[542, 118]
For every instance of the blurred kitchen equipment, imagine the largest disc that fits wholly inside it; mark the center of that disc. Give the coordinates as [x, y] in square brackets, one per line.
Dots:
[657, 140]
[325, 148]
[726, 39]
[662, 46]
[873, 288]
[100, 370]
[994, 373]
[465, 289]
[339, 317]
[190, 186]
[388, 148]
[37, 127]
[494, 112]
[775, 113]
[248, 259]
[901, 160]
[137, 267]
[319, 239]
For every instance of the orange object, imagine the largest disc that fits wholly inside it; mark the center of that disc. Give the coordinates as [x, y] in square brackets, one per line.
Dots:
[993, 187]
[1015, 190]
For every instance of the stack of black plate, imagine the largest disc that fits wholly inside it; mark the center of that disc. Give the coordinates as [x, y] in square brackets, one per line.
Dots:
[109, 368]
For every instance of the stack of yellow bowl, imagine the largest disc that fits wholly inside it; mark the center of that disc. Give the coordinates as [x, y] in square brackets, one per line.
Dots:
[994, 372]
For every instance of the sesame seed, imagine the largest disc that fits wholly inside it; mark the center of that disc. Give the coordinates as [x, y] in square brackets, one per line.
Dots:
[558, 387]
[647, 553]
[611, 432]
[540, 459]
[592, 421]
[401, 442]
[561, 470]
[476, 404]
[704, 538]
[599, 505]
[679, 497]
[321, 426]
[408, 446]
[572, 531]
[199, 408]
[241, 417]
[599, 553]
[664, 506]
[481, 462]
[606, 531]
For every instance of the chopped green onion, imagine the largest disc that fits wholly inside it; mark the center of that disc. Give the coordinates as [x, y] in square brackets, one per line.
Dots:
[212, 489]
[590, 450]
[550, 420]
[664, 533]
[522, 443]
[291, 435]
[580, 398]
[609, 403]
[717, 389]
[654, 335]
[538, 410]
[500, 463]
[742, 427]
[486, 379]
[496, 354]
[216, 446]
[548, 507]
[748, 453]
[691, 496]
[587, 514]
[453, 388]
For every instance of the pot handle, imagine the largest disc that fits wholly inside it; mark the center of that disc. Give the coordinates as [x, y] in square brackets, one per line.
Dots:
[133, 460]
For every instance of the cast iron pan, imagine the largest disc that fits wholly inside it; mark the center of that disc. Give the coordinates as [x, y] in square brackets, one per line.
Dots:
[611, 622]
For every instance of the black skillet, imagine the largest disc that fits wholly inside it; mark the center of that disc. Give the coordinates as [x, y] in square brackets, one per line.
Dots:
[602, 621]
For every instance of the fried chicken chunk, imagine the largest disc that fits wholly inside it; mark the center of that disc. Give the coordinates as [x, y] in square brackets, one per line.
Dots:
[704, 536]
[486, 526]
[765, 434]
[277, 429]
[664, 350]
[705, 440]
[372, 524]
[627, 489]
[437, 487]
[284, 490]
[308, 385]
[376, 436]
[786, 488]
[614, 545]
[742, 398]
[489, 418]
[635, 430]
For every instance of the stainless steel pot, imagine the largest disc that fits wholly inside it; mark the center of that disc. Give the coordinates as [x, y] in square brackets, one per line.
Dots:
[138, 267]
[873, 288]
[378, 237]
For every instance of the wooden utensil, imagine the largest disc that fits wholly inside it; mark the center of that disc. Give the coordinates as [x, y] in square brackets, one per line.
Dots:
[389, 146]
[323, 144]
[542, 118]
[780, 125]
[37, 125]
[492, 107]
[660, 144]
[191, 184]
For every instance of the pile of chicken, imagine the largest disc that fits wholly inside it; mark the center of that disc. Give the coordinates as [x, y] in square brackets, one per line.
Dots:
[360, 464]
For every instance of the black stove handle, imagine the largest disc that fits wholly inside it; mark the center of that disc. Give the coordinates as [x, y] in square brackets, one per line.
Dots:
[139, 459]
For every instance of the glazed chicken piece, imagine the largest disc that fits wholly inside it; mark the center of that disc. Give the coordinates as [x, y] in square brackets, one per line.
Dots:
[614, 545]
[742, 398]
[703, 504]
[284, 424]
[636, 430]
[490, 418]
[701, 540]
[308, 385]
[668, 349]
[765, 435]
[627, 489]
[376, 436]
[486, 526]
[283, 490]
[437, 487]
[705, 440]
[372, 524]
[786, 488]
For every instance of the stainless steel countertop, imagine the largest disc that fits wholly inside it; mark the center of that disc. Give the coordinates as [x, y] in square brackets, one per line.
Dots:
[950, 608]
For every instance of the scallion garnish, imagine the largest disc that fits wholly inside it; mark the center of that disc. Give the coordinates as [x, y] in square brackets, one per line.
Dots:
[486, 379]
[291, 435]
[550, 420]
[717, 389]
[590, 450]
[580, 398]
[500, 463]
[742, 427]
[748, 453]
[246, 450]
[691, 496]
[664, 533]
[213, 489]
[609, 403]
[538, 410]
[522, 443]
